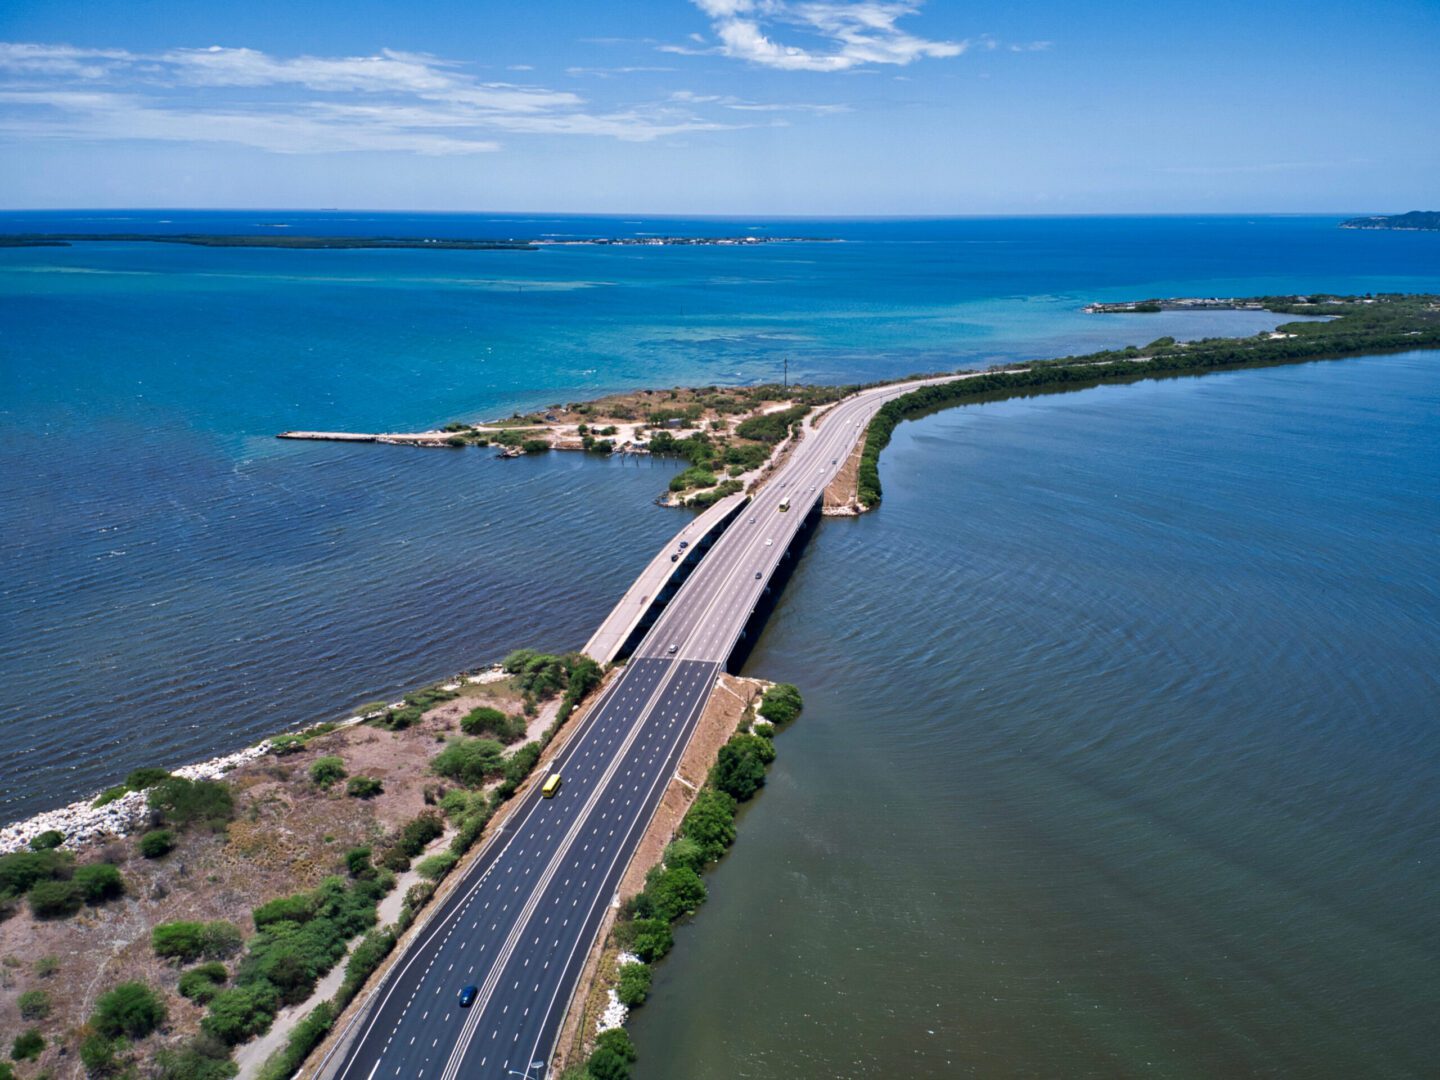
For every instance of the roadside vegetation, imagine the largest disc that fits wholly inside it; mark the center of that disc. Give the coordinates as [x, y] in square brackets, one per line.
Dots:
[674, 888]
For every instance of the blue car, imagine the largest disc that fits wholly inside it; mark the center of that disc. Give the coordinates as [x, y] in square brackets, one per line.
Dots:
[467, 996]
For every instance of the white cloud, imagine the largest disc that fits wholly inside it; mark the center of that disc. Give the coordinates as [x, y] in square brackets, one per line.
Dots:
[848, 34]
[393, 101]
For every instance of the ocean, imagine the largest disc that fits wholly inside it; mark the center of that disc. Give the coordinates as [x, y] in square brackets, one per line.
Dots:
[1152, 791]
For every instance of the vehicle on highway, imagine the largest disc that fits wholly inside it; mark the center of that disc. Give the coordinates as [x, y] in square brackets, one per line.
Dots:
[768, 542]
[785, 504]
[834, 461]
[752, 521]
[757, 575]
[468, 996]
[675, 557]
[684, 544]
[551, 787]
[676, 648]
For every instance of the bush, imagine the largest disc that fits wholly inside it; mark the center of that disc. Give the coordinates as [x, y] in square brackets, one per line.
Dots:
[241, 1013]
[201, 984]
[710, 822]
[357, 863]
[202, 1058]
[685, 852]
[50, 838]
[34, 1005]
[674, 891]
[99, 882]
[186, 941]
[363, 787]
[781, 704]
[470, 761]
[140, 779]
[22, 869]
[27, 1045]
[488, 721]
[618, 1041]
[326, 770]
[178, 940]
[535, 446]
[157, 843]
[518, 766]
[131, 1009]
[738, 770]
[55, 899]
[634, 985]
[606, 1064]
[203, 803]
[6, 1072]
[649, 939]
[437, 866]
[47, 966]
[97, 1054]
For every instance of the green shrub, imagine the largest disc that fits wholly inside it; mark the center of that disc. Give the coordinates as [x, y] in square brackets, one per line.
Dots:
[685, 852]
[618, 1041]
[710, 822]
[6, 1072]
[157, 843]
[674, 891]
[178, 940]
[202, 1058]
[364, 959]
[739, 769]
[186, 941]
[98, 1055]
[141, 779]
[649, 939]
[764, 729]
[109, 795]
[357, 863]
[363, 787]
[55, 899]
[326, 770]
[99, 882]
[50, 838]
[47, 966]
[201, 984]
[488, 721]
[34, 1004]
[202, 803]
[131, 1009]
[470, 761]
[781, 704]
[22, 869]
[518, 766]
[606, 1064]
[535, 446]
[437, 866]
[634, 985]
[241, 1013]
[27, 1045]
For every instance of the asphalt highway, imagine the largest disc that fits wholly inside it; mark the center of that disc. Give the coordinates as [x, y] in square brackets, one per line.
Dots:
[520, 924]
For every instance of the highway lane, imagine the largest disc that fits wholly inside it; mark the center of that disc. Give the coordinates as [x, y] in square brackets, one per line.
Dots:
[528, 909]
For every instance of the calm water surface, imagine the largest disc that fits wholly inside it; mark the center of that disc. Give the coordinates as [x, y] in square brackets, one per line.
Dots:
[1119, 755]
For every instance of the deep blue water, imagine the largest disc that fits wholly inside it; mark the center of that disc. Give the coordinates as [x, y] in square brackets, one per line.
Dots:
[178, 583]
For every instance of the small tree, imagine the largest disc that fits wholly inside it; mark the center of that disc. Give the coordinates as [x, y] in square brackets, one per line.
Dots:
[55, 899]
[357, 862]
[99, 882]
[182, 941]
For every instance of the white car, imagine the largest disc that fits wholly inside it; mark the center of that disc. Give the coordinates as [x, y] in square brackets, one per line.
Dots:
[768, 541]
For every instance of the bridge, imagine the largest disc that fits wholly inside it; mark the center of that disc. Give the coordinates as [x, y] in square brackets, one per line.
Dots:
[525, 913]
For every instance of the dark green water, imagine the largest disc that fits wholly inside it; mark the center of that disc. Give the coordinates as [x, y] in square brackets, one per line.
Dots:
[1119, 756]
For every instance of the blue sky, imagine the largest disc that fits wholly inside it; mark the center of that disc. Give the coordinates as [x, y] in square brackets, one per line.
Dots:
[722, 106]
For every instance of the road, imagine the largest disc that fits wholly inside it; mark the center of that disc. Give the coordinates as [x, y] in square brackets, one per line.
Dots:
[522, 920]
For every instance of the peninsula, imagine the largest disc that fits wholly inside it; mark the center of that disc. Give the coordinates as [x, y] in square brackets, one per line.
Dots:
[1414, 221]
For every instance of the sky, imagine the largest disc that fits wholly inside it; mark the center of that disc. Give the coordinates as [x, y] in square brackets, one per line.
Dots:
[761, 107]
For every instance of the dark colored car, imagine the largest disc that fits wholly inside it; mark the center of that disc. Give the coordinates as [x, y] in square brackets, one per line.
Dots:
[468, 996]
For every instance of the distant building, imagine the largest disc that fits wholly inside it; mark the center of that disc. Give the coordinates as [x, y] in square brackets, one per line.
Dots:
[674, 422]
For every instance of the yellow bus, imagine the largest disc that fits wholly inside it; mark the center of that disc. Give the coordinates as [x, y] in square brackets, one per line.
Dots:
[785, 504]
[552, 785]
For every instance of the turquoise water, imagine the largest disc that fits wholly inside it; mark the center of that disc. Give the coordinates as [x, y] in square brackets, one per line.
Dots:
[1119, 755]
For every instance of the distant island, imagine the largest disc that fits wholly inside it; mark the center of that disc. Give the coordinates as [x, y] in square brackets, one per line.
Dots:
[1414, 221]
[353, 242]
